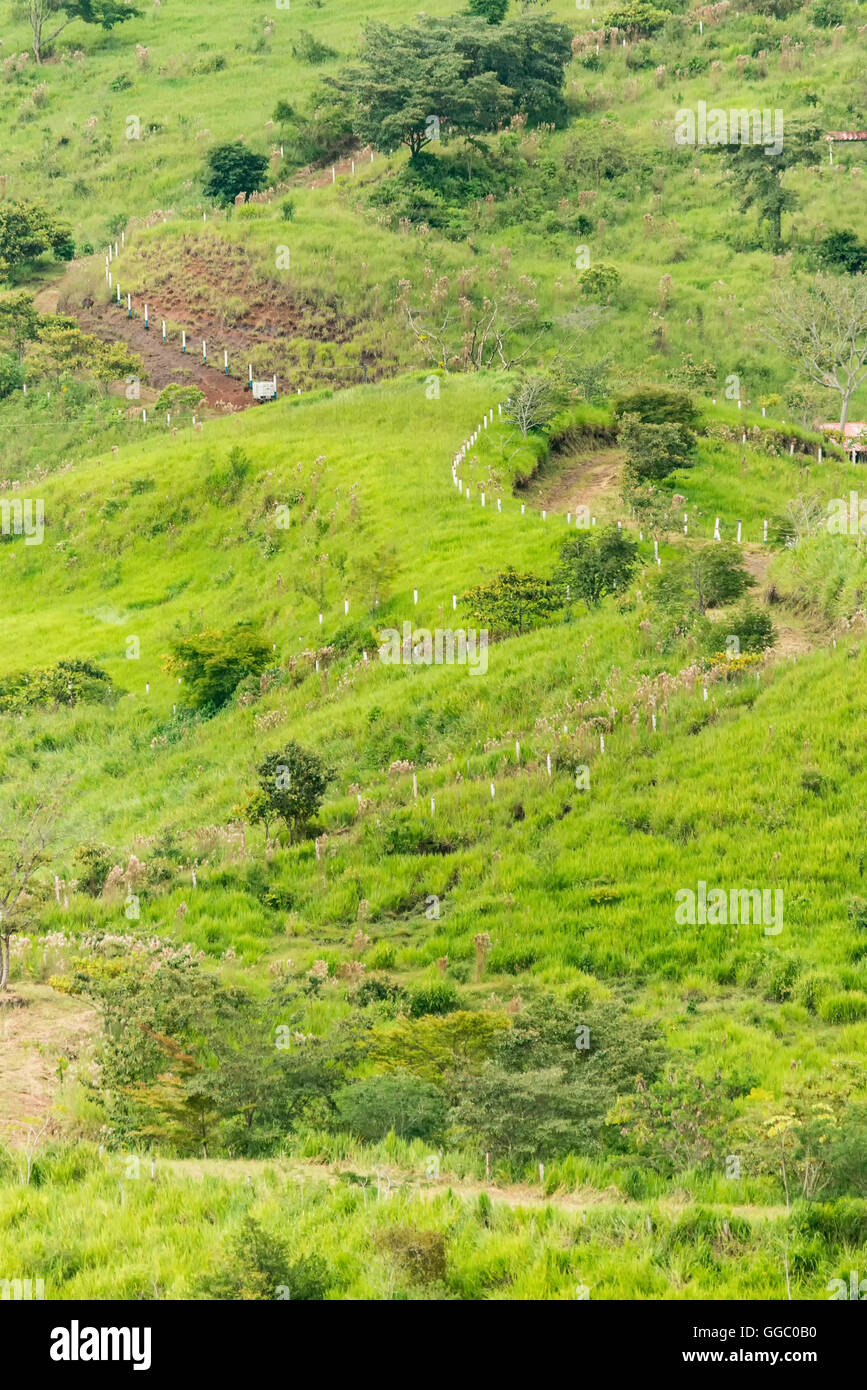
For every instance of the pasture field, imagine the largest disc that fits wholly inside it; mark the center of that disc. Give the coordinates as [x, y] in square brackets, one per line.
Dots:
[542, 972]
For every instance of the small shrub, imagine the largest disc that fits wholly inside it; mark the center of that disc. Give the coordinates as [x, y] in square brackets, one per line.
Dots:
[212, 663]
[11, 374]
[654, 450]
[781, 979]
[94, 863]
[308, 49]
[225, 481]
[656, 405]
[827, 14]
[175, 397]
[420, 1254]
[399, 1103]
[600, 281]
[257, 1267]
[382, 957]
[438, 998]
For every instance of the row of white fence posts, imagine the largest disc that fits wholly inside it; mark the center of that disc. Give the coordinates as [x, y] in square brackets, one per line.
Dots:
[461, 455]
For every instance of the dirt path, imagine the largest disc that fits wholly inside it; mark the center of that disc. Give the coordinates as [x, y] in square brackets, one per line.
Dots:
[585, 480]
[164, 362]
[34, 1037]
[792, 639]
[593, 480]
[392, 1180]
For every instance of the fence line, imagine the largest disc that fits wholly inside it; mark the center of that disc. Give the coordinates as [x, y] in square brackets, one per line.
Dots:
[461, 457]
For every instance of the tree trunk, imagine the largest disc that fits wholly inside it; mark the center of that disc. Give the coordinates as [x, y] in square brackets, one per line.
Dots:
[844, 409]
[4, 961]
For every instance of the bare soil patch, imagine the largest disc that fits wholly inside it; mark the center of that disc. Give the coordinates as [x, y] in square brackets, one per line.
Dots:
[587, 479]
[34, 1036]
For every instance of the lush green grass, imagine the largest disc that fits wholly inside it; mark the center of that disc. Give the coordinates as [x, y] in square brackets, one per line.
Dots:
[758, 785]
[585, 883]
[174, 1230]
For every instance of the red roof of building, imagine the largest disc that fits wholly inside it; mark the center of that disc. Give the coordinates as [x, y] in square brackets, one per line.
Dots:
[854, 430]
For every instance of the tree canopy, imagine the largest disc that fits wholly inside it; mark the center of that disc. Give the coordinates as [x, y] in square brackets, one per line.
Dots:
[42, 15]
[28, 231]
[233, 169]
[464, 75]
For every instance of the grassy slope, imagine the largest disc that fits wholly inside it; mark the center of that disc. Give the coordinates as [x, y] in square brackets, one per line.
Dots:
[675, 219]
[583, 899]
[719, 768]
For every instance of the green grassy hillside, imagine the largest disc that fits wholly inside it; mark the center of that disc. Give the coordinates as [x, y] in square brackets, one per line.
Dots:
[462, 976]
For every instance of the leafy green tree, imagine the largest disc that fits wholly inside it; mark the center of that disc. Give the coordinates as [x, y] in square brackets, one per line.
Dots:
[827, 14]
[703, 578]
[600, 281]
[19, 321]
[678, 1122]
[529, 1115]
[411, 83]
[842, 251]
[758, 176]
[284, 112]
[178, 1105]
[11, 374]
[654, 451]
[596, 563]
[512, 603]
[494, 11]
[212, 663]
[529, 55]
[256, 809]
[28, 231]
[294, 781]
[377, 1105]
[232, 169]
[553, 1077]
[458, 75]
[436, 1048]
[42, 15]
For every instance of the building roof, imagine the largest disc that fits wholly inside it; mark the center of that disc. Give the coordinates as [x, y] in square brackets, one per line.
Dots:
[855, 429]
